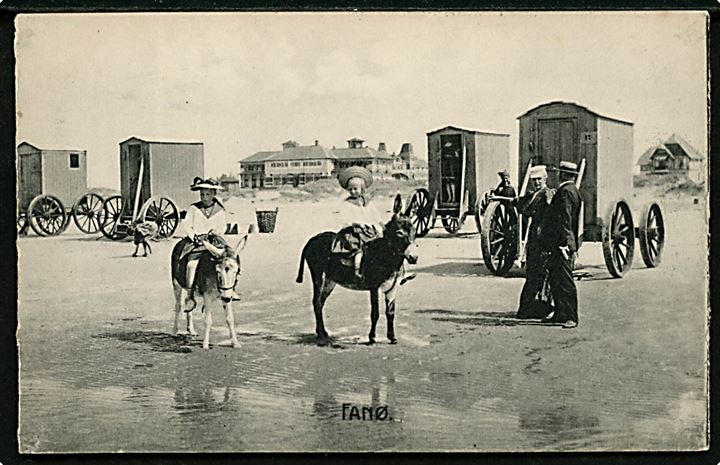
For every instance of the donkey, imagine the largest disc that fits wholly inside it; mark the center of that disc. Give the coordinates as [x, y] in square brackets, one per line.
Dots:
[216, 275]
[382, 270]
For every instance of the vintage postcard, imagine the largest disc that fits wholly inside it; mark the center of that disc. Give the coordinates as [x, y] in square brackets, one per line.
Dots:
[417, 231]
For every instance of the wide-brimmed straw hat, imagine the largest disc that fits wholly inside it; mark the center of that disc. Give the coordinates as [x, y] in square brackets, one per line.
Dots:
[568, 167]
[355, 172]
[200, 183]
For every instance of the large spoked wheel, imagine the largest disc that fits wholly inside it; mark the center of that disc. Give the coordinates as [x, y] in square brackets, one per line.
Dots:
[498, 239]
[112, 225]
[421, 211]
[451, 224]
[88, 212]
[47, 216]
[163, 212]
[652, 235]
[618, 239]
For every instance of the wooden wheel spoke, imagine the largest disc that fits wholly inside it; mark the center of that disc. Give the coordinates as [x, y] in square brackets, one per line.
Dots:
[621, 255]
[496, 252]
[653, 248]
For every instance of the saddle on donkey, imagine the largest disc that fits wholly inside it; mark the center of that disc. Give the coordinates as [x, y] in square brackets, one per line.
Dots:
[349, 245]
[187, 250]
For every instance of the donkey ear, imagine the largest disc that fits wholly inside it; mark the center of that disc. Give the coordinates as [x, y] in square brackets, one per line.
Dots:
[241, 245]
[398, 204]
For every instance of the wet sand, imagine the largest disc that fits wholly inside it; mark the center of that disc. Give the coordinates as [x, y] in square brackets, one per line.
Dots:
[101, 372]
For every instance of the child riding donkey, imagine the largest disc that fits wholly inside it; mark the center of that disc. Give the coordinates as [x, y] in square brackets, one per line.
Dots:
[203, 225]
[363, 255]
[361, 221]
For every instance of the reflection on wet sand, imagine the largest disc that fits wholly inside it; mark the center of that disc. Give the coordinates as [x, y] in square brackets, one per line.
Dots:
[548, 425]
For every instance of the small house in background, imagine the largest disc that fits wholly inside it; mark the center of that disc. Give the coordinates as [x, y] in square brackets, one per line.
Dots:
[62, 173]
[229, 183]
[675, 155]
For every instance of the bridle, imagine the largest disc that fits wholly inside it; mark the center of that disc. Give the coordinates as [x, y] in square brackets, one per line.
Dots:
[235, 280]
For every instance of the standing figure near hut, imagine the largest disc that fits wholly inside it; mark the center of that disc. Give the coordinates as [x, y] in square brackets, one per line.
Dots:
[505, 188]
[504, 192]
[534, 206]
[144, 230]
[205, 221]
[559, 239]
[360, 219]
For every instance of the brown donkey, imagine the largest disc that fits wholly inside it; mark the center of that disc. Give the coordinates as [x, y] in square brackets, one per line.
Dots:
[382, 270]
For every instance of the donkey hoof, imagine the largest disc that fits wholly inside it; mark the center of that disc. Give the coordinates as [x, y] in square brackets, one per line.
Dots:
[322, 341]
[393, 340]
[371, 341]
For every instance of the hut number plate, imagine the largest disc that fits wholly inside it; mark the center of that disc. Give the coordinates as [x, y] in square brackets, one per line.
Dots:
[588, 138]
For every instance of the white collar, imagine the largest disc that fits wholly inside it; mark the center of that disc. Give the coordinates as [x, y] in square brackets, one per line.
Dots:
[564, 183]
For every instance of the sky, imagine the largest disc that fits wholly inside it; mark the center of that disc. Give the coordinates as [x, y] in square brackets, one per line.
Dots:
[246, 82]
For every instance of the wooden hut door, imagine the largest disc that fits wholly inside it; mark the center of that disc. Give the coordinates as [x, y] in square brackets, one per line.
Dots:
[138, 173]
[557, 143]
[30, 178]
[451, 149]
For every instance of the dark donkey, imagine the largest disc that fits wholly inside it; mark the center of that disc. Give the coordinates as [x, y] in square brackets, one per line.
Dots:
[381, 269]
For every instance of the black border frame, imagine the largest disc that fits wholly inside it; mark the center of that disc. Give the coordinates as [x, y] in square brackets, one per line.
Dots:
[8, 279]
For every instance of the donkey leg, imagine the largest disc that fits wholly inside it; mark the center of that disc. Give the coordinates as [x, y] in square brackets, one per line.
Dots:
[208, 325]
[374, 314]
[390, 315]
[190, 326]
[321, 291]
[177, 290]
[230, 320]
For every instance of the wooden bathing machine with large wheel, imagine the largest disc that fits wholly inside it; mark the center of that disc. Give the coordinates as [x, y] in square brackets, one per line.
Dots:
[603, 146]
[463, 164]
[155, 178]
[52, 188]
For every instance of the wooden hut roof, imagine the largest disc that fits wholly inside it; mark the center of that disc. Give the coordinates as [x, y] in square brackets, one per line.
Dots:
[474, 131]
[46, 150]
[560, 102]
[150, 141]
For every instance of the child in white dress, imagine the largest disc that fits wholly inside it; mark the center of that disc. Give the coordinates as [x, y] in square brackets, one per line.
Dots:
[361, 221]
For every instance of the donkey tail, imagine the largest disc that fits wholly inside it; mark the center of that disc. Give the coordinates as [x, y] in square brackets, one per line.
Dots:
[301, 269]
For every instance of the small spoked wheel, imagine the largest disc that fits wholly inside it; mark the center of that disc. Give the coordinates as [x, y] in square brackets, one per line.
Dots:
[47, 216]
[652, 235]
[618, 239]
[421, 211]
[114, 212]
[88, 212]
[451, 224]
[163, 212]
[498, 239]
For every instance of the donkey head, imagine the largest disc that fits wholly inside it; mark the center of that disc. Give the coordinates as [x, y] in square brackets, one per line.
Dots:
[400, 232]
[227, 266]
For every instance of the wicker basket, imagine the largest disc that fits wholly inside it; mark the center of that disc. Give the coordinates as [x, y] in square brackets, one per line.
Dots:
[266, 220]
